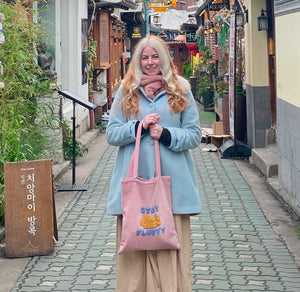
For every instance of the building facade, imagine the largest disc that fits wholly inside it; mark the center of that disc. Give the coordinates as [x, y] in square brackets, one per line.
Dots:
[287, 16]
[268, 71]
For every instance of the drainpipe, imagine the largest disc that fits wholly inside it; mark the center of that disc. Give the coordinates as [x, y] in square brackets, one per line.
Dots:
[109, 88]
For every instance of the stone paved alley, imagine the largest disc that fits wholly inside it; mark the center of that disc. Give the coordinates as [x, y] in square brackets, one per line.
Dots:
[234, 248]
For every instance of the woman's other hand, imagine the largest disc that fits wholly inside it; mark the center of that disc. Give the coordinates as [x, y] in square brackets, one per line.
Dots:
[150, 119]
[155, 131]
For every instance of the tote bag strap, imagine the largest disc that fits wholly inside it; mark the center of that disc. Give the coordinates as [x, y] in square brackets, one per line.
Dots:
[134, 161]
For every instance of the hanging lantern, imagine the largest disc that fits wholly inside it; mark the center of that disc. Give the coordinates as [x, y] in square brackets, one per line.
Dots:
[240, 18]
[263, 21]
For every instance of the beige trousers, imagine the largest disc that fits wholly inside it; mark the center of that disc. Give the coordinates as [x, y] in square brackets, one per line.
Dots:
[156, 271]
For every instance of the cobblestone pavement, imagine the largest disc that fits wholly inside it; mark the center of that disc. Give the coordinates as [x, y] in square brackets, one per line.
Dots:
[234, 247]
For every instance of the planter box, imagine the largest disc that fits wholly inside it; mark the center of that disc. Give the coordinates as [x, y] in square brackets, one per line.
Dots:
[99, 98]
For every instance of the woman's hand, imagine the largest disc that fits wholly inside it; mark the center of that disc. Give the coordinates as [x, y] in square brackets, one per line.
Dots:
[150, 119]
[155, 131]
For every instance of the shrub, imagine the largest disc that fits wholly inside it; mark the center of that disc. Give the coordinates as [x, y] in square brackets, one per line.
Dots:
[204, 83]
[222, 87]
[187, 69]
[80, 148]
[21, 126]
[1, 209]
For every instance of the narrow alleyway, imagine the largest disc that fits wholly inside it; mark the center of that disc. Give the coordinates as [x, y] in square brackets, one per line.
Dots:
[234, 247]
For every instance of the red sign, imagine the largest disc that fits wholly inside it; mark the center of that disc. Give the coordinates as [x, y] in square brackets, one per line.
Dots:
[216, 52]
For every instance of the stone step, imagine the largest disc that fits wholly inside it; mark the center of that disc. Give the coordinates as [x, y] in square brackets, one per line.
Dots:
[266, 160]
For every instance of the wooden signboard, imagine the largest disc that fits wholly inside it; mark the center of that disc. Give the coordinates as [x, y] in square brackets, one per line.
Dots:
[30, 217]
[104, 38]
[190, 36]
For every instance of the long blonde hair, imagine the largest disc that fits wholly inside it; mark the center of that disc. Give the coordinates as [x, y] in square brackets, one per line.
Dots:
[132, 79]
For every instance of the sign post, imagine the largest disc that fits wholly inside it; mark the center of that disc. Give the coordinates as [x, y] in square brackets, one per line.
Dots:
[89, 105]
[30, 217]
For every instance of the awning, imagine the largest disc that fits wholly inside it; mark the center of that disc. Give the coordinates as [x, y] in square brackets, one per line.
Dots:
[133, 16]
[203, 6]
[193, 48]
[180, 38]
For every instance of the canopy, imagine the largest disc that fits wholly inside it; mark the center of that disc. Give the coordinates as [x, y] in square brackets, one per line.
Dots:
[180, 38]
[193, 48]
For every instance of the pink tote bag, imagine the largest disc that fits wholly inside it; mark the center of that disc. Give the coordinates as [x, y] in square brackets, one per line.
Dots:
[148, 222]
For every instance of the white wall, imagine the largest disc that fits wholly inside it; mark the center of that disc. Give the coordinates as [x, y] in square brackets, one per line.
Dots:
[71, 13]
[288, 58]
[256, 47]
[288, 99]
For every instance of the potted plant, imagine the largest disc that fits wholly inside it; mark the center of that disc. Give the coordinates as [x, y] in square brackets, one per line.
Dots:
[187, 69]
[206, 88]
[206, 91]
[99, 96]
[221, 88]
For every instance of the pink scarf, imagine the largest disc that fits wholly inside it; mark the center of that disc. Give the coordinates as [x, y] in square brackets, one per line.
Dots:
[153, 84]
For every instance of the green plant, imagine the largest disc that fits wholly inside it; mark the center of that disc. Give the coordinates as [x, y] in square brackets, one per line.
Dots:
[206, 55]
[204, 83]
[92, 57]
[80, 148]
[23, 120]
[1, 209]
[239, 89]
[223, 36]
[187, 69]
[206, 61]
[200, 42]
[102, 127]
[222, 87]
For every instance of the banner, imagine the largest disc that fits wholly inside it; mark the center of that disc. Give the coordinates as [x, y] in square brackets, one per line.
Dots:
[231, 75]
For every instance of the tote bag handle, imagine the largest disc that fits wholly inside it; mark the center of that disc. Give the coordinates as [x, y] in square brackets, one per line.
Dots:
[134, 161]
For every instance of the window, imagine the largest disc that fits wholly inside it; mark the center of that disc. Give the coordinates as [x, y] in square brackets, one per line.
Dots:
[181, 54]
[172, 53]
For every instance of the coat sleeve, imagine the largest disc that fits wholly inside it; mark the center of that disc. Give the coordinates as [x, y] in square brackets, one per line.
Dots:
[188, 135]
[120, 131]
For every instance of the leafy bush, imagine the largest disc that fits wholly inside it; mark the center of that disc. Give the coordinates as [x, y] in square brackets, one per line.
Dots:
[21, 126]
[1, 210]
[187, 69]
[222, 87]
[80, 148]
[204, 83]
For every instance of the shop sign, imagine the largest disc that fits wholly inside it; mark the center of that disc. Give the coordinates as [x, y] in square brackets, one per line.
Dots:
[30, 217]
[160, 9]
[216, 6]
[136, 32]
[190, 36]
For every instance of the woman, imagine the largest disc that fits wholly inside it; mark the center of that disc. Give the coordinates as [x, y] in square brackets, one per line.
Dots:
[153, 93]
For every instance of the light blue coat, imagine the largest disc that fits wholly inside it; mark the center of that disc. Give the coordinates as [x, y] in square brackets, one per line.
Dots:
[185, 133]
